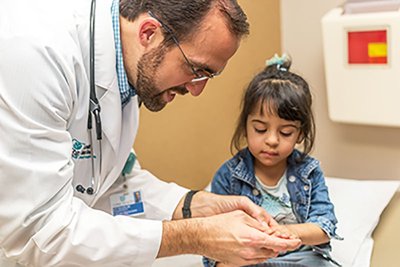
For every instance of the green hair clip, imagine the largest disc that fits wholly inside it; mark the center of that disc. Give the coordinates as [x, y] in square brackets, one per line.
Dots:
[278, 60]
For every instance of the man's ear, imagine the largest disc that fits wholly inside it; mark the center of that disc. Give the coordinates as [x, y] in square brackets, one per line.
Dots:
[148, 29]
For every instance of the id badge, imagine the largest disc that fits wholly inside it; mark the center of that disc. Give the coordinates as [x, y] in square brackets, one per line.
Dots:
[127, 203]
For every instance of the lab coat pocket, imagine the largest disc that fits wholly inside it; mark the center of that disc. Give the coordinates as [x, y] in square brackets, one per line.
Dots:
[54, 223]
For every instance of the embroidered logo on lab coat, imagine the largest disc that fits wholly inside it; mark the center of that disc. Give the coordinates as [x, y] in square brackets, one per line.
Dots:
[80, 150]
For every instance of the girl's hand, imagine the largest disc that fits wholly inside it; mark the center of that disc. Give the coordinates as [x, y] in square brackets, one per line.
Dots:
[284, 231]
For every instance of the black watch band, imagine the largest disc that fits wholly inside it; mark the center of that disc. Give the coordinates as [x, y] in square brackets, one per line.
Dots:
[186, 212]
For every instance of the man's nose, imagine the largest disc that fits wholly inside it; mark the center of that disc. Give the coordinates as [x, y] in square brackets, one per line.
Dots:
[196, 88]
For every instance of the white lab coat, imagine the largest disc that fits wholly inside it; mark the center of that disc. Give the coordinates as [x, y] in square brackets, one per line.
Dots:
[44, 95]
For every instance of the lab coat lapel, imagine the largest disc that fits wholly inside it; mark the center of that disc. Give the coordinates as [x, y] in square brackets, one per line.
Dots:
[119, 126]
[106, 76]
[130, 123]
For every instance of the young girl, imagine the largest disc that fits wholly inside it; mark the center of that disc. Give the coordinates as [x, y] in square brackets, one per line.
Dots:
[275, 117]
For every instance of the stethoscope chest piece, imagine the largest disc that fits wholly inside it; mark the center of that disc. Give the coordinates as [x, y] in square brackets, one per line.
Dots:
[81, 189]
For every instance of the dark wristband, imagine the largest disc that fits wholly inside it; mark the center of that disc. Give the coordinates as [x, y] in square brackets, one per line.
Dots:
[186, 212]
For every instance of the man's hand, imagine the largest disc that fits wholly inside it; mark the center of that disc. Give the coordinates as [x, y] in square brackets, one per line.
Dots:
[236, 238]
[229, 229]
[233, 238]
[207, 204]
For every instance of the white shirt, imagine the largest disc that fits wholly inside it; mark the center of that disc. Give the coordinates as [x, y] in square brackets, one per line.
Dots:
[276, 200]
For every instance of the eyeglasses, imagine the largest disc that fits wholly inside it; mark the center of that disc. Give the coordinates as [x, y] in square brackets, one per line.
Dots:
[200, 74]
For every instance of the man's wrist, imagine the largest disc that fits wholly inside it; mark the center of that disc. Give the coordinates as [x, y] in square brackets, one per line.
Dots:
[182, 237]
[186, 210]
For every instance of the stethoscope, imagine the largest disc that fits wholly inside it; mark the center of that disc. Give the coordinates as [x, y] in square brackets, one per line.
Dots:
[94, 111]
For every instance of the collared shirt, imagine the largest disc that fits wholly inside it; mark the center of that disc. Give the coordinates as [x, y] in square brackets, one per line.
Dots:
[125, 89]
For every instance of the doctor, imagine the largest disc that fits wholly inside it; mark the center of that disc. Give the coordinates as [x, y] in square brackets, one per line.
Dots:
[71, 194]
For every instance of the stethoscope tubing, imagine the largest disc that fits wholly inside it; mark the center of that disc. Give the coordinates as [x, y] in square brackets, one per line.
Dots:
[94, 110]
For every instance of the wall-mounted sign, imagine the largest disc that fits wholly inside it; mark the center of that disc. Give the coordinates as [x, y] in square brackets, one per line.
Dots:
[367, 47]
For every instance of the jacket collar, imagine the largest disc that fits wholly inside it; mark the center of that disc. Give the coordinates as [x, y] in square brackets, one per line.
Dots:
[106, 75]
[243, 166]
[104, 47]
[301, 169]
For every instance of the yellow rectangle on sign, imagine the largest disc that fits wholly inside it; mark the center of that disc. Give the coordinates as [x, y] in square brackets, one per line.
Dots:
[377, 50]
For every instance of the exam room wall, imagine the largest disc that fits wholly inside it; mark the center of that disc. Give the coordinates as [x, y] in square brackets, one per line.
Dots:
[345, 150]
[188, 141]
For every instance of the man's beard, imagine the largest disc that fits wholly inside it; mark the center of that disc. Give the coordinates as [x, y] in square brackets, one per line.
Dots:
[146, 89]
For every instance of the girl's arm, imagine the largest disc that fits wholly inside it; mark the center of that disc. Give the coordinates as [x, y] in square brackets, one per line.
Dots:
[308, 233]
[320, 224]
[321, 211]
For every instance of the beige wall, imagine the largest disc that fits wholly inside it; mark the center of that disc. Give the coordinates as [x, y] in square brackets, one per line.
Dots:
[345, 150]
[189, 140]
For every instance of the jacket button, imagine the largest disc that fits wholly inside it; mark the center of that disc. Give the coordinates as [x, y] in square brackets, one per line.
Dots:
[292, 179]
[306, 187]
[255, 192]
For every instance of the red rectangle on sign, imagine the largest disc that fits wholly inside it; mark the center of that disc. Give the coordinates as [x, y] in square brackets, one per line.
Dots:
[367, 47]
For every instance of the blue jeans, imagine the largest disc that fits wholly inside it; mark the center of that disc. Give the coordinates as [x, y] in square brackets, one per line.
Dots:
[297, 259]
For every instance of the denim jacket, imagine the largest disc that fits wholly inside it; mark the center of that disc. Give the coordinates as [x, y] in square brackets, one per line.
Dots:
[306, 186]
